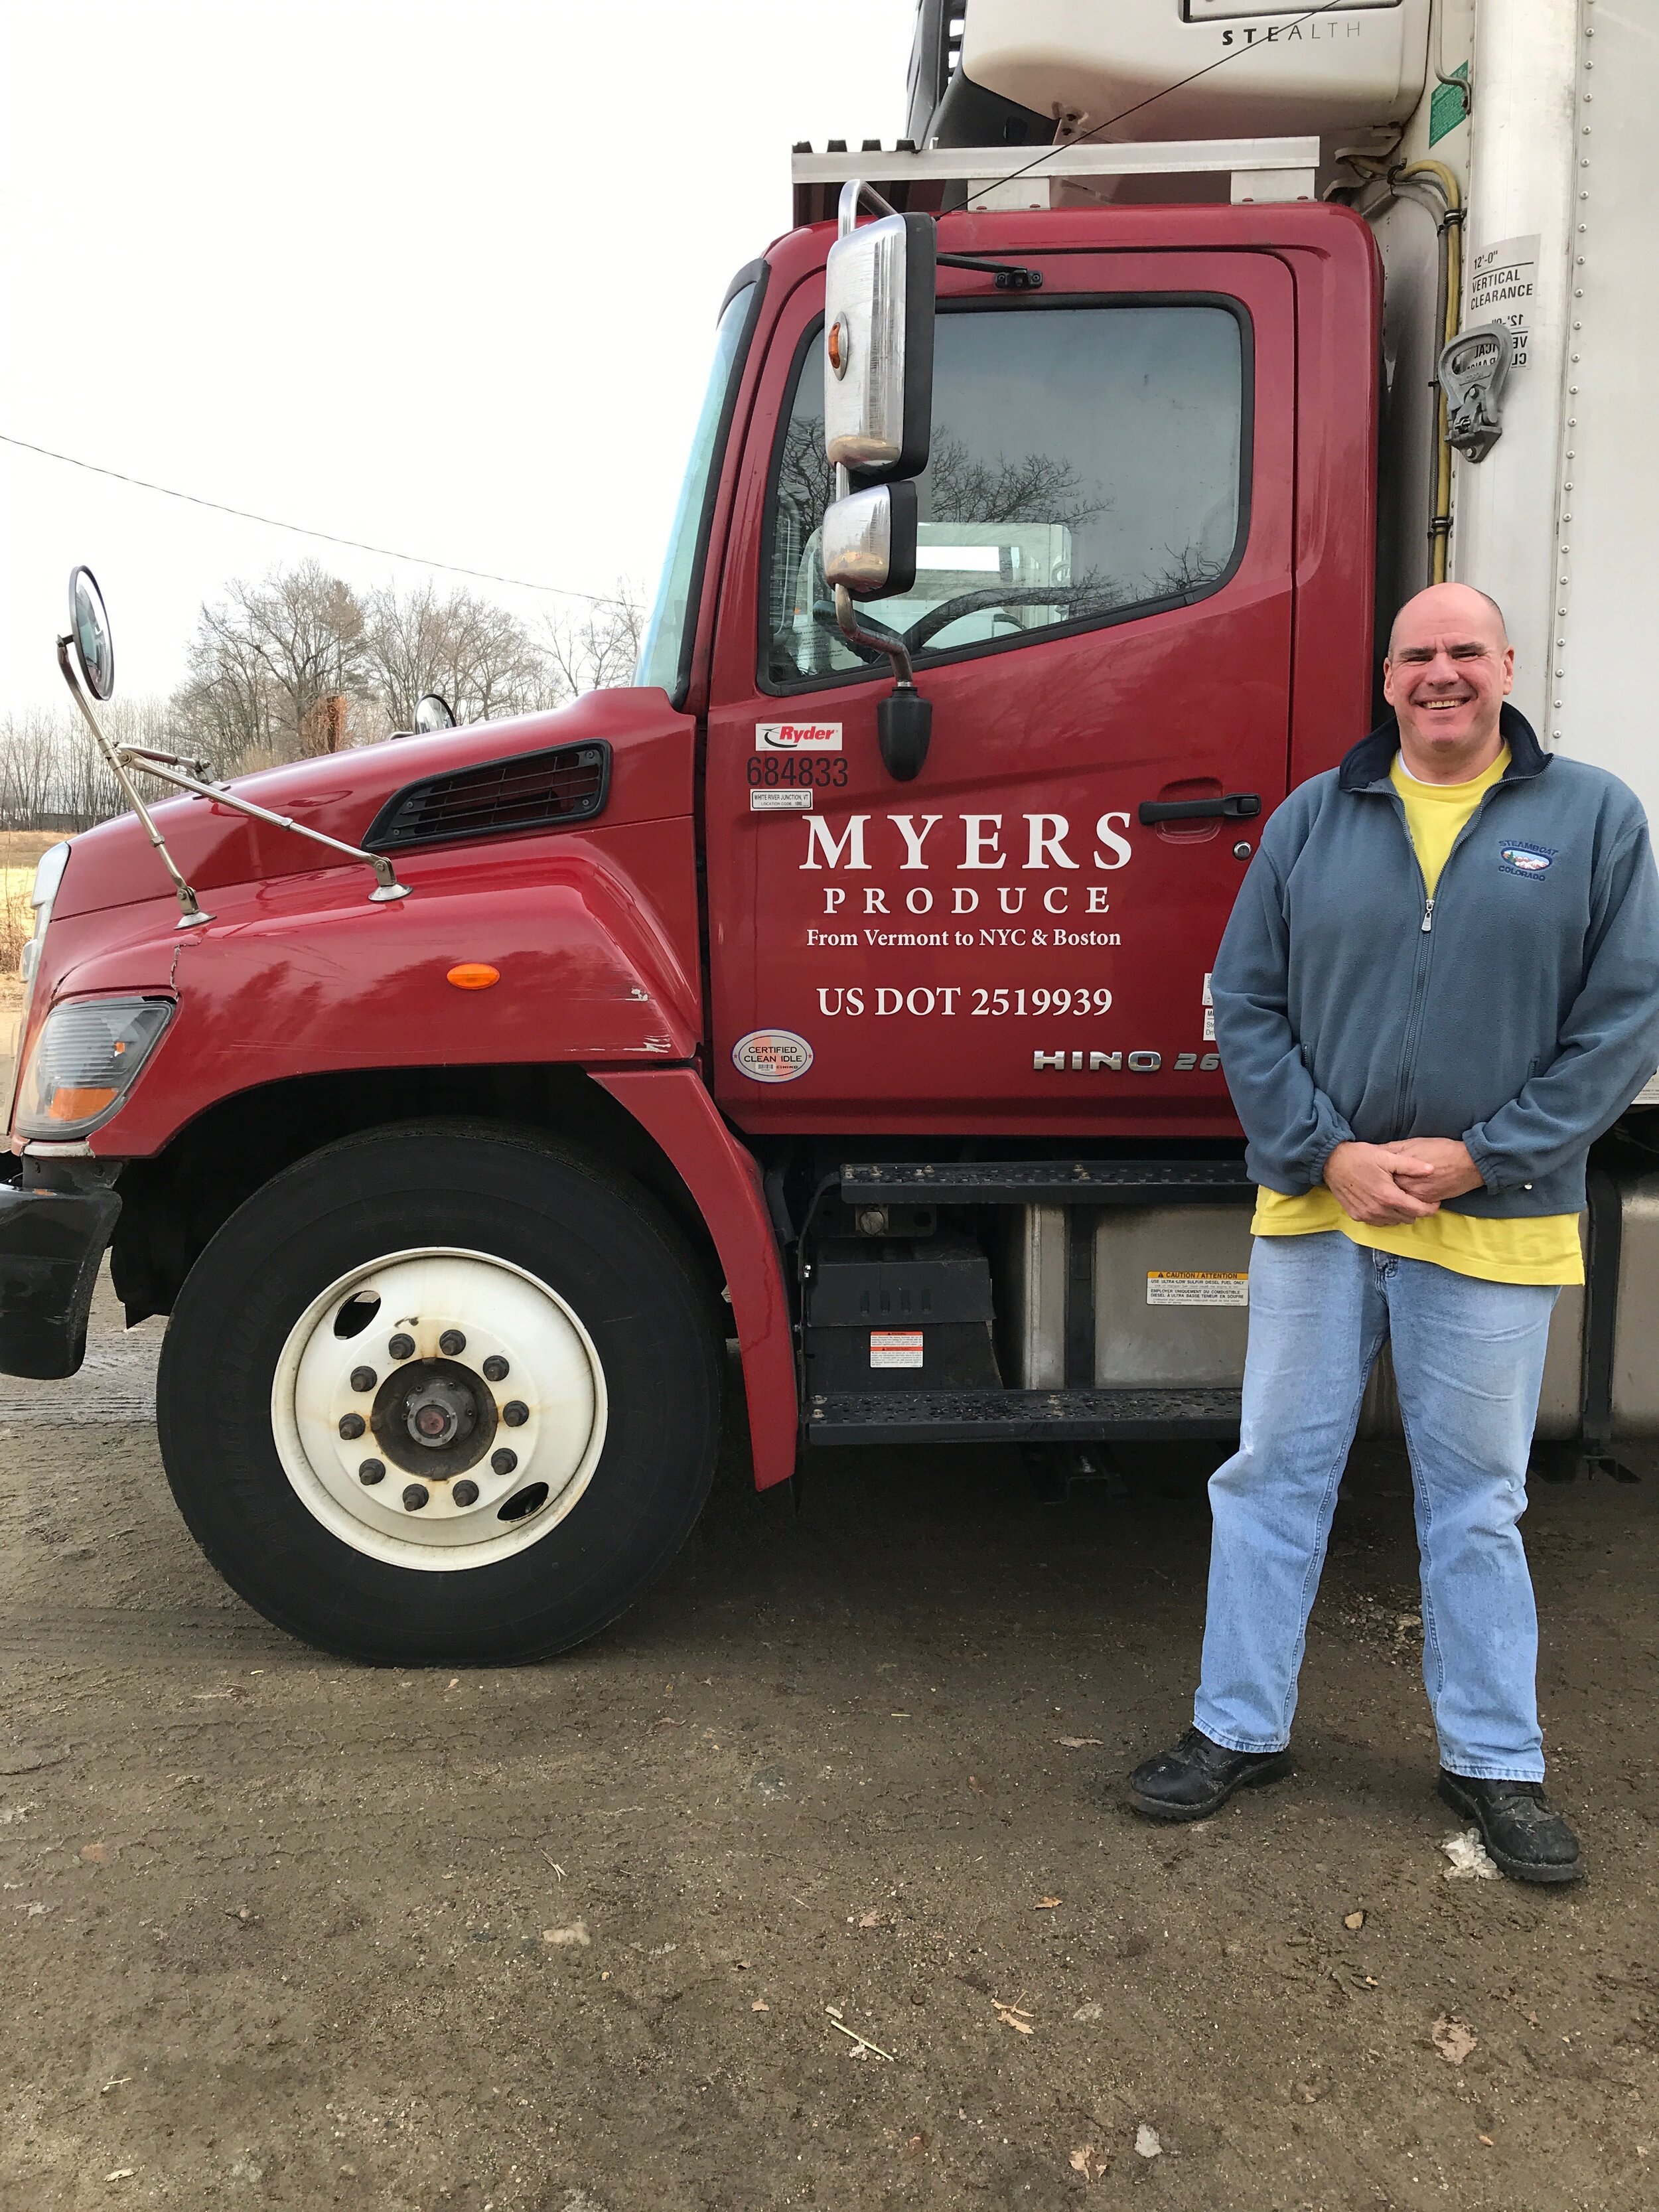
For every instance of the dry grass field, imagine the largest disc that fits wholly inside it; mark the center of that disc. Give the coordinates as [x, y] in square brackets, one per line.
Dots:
[19, 851]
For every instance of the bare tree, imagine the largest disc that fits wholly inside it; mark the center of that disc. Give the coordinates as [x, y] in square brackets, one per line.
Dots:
[598, 649]
[308, 628]
[226, 707]
[298, 664]
[481, 659]
[51, 774]
[1032, 488]
[274, 668]
[31, 751]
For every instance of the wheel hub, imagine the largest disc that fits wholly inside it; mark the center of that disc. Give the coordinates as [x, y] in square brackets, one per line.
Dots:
[474, 1378]
[435, 1417]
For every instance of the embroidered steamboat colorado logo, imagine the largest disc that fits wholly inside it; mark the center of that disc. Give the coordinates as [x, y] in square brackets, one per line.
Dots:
[1526, 860]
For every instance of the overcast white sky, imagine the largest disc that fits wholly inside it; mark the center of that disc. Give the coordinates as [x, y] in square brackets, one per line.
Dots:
[440, 274]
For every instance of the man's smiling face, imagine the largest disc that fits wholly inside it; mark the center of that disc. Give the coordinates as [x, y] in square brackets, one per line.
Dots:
[1449, 670]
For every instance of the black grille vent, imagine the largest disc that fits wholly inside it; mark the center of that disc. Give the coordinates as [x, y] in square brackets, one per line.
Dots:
[531, 791]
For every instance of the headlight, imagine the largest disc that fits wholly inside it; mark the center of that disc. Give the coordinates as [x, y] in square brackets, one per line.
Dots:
[48, 875]
[83, 1062]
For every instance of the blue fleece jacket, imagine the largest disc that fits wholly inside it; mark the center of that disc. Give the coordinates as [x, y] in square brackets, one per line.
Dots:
[1518, 1009]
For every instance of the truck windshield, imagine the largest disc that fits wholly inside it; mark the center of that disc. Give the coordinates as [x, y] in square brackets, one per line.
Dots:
[662, 656]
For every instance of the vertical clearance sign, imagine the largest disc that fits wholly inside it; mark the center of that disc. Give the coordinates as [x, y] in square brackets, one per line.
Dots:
[1503, 285]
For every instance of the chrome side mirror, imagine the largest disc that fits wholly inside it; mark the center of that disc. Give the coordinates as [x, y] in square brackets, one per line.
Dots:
[879, 344]
[878, 421]
[433, 711]
[89, 634]
[869, 541]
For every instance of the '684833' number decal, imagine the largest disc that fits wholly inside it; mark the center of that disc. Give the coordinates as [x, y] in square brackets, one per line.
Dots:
[798, 771]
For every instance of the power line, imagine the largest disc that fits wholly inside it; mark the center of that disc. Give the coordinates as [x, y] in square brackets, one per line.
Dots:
[564, 590]
[1123, 115]
[299, 529]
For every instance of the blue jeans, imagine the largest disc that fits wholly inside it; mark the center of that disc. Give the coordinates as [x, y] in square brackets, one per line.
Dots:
[1468, 1358]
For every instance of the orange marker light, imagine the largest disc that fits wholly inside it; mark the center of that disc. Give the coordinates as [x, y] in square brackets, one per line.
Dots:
[79, 1102]
[473, 975]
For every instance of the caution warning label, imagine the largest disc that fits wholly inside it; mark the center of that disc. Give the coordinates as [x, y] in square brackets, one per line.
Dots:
[1166, 1288]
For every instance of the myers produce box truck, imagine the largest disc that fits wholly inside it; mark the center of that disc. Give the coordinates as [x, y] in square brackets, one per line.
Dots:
[842, 985]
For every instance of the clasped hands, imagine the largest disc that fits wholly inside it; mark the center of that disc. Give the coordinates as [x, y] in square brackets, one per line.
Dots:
[1384, 1184]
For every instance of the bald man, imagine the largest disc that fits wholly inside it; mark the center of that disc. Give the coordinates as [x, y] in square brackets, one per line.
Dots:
[1439, 985]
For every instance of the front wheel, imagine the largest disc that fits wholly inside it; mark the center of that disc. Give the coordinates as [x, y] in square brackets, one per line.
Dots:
[437, 1395]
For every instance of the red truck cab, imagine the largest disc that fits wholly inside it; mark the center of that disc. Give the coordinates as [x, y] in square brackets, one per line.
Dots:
[694, 1006]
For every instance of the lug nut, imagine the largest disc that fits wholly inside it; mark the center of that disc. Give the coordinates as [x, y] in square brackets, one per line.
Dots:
[465, 1493]
[363, 1378]
[371, 1471]
[352, 1425]
[515, 1413]
[401, 1347]
[504, 1461]
[452, 1344]
[495, 1368]
[414, 1497]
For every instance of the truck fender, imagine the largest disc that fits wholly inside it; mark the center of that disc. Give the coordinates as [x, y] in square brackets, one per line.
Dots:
[305, 977]
[673, 1106]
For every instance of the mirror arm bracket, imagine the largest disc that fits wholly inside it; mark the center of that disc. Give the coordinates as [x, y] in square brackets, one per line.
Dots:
[190, 915]
[1009, 275]
[904, 719]
[185, 775]
[904, 675]
[855, 194]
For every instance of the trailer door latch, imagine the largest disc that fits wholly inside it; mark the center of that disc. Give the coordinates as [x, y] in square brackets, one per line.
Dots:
[1473, 368]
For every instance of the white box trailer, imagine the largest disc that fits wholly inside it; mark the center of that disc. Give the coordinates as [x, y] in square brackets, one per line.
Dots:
[1538, 113]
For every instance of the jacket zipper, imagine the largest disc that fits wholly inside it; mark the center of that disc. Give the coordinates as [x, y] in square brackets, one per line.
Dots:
[1419, 969]
[1421, 976]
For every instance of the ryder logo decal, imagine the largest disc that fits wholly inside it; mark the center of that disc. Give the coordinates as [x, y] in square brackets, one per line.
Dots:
[771, 1055]
[798, 736]
[1526, 860]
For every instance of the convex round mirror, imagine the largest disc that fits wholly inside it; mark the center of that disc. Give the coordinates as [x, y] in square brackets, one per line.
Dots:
[433, 711]
[89, 634]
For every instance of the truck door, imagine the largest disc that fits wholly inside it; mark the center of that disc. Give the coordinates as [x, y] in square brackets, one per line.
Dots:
[1101, 620]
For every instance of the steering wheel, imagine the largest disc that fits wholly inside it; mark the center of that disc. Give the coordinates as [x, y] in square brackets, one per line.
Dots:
[824, 611]
[929, 625]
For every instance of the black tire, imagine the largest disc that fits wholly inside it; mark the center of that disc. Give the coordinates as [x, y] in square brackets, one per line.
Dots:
[596, 1239]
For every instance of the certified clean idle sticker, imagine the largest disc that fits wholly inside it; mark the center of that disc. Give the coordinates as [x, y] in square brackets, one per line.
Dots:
[798, 736]
[772, 1055]
[1166, 1288]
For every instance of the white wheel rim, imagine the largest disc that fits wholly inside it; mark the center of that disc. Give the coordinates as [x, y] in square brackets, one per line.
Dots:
[548, 1412]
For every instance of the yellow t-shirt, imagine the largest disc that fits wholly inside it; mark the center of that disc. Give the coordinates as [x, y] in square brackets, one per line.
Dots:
[1535, 1249]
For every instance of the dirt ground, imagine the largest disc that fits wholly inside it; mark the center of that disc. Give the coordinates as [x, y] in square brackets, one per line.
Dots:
[584, 1937]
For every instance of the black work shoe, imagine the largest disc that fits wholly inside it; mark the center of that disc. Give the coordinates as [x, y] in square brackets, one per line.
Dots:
[1526, 1836]
[1197, 1776]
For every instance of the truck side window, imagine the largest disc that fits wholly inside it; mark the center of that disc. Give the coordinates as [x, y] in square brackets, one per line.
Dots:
[1087, 465]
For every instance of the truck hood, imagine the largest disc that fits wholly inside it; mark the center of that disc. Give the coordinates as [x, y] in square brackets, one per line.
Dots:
[339, 793]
